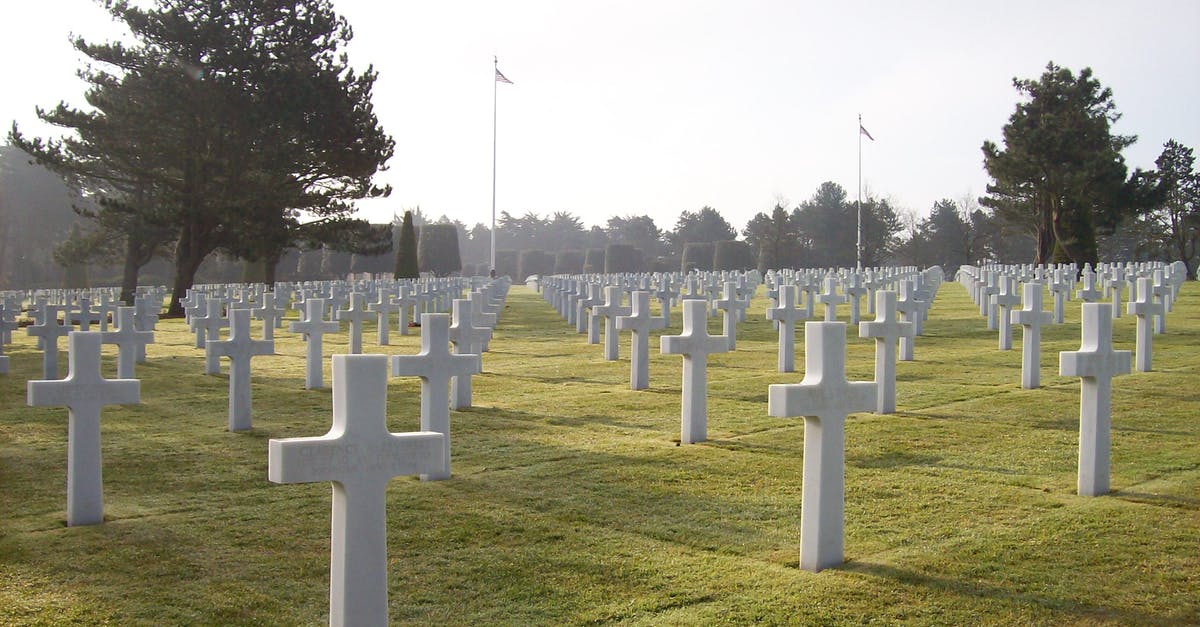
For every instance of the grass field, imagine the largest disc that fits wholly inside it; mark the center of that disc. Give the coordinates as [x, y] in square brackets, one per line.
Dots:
[572, 502]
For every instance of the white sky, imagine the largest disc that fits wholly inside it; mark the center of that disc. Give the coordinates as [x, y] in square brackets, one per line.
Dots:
[655, 107]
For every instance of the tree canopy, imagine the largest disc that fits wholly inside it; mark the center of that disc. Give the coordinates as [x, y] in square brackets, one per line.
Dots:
[239, 122]
[1060, 174]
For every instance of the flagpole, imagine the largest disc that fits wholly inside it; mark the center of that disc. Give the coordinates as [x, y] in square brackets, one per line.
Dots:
[858, 244]
[496, 62]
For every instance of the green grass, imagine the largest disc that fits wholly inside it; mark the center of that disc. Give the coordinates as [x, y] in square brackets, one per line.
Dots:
[572, 503]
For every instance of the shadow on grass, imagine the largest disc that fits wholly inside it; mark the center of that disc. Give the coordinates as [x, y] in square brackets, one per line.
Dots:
[892, 459]
[981, 591]
[1161, 500]
[560, 421]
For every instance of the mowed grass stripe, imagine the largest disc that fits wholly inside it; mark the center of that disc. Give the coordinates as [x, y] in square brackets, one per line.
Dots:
[571, 502]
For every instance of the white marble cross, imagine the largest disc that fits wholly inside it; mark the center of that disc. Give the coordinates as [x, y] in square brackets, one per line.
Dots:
[467, 339]
[383, 307]
[436, 366]
[854, 290]
[1162, 290]
[1089, 293]
[824, 398]
[583, 307]
[239, 348]
[48, 331]
[128, 339]
[910, 310]
[1004, 302]
[105, 308]
[357, 314]
[360, 456]
[986, 292]
[639, 323]
[1031, 319]
[84, 392]
[85, 315]
[208, 327]
[733, 309]
[405, 301]
[1144, 308]
[1060, 288]
[786, 314]
[314, 327]
[1117, 281]
[830, 298]
[480, 316]
[611, 310]
[270, 313]
[1096, 363]
[7, 326]
[695, 344]
[887, 329]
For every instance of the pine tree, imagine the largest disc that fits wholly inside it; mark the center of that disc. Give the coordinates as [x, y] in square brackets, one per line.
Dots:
[406, 250]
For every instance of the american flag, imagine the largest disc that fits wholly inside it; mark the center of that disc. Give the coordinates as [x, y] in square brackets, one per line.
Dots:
[864, 132]
[501, 79]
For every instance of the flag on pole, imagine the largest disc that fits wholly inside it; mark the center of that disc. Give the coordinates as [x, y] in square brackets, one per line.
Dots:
[860, 129]
[500, 78]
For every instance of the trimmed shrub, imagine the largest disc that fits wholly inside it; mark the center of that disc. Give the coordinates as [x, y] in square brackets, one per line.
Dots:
[437, 249]
[568, 262]
[593, 260]
[622, 258]
[506, 263]
[697, 256]
[534, 262]
[406, 251]
[733, 255]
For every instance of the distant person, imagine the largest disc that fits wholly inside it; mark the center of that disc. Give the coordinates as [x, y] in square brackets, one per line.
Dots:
[492, 274]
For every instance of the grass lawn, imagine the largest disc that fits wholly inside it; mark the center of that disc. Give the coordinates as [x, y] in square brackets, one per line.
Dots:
[571, 501]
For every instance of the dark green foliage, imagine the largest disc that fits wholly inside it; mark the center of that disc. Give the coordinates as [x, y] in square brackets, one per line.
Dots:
[210, 120]
[76, 253]
[733, 255]
[568, 262]
[622, 258]
[706, 225]
[827, 227]
[437, 249]
[506, 263]
[775, 239]
[533, 262]
[1060, 175]
[253, 272]
[697, 256]
[1174, 223]
[637, 231]
[406, 251]
[335, 264]
[308, 266]
[593, 260]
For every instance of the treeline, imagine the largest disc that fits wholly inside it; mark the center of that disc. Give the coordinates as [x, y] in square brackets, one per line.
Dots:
[198, 145]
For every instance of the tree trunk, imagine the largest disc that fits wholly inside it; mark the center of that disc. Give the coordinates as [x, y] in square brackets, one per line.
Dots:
[1076, 235]
[188, 257]
[129, 272]
[1045, 233]
[269, 266]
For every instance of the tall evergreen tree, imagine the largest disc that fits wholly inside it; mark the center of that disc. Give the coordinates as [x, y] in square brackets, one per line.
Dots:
[236, 117]
[774, 238]
[705, 225]
[1060, 174]
[1176, 220]
[406, 250]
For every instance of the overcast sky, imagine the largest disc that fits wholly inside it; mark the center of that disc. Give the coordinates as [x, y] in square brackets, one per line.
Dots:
[656, 107]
